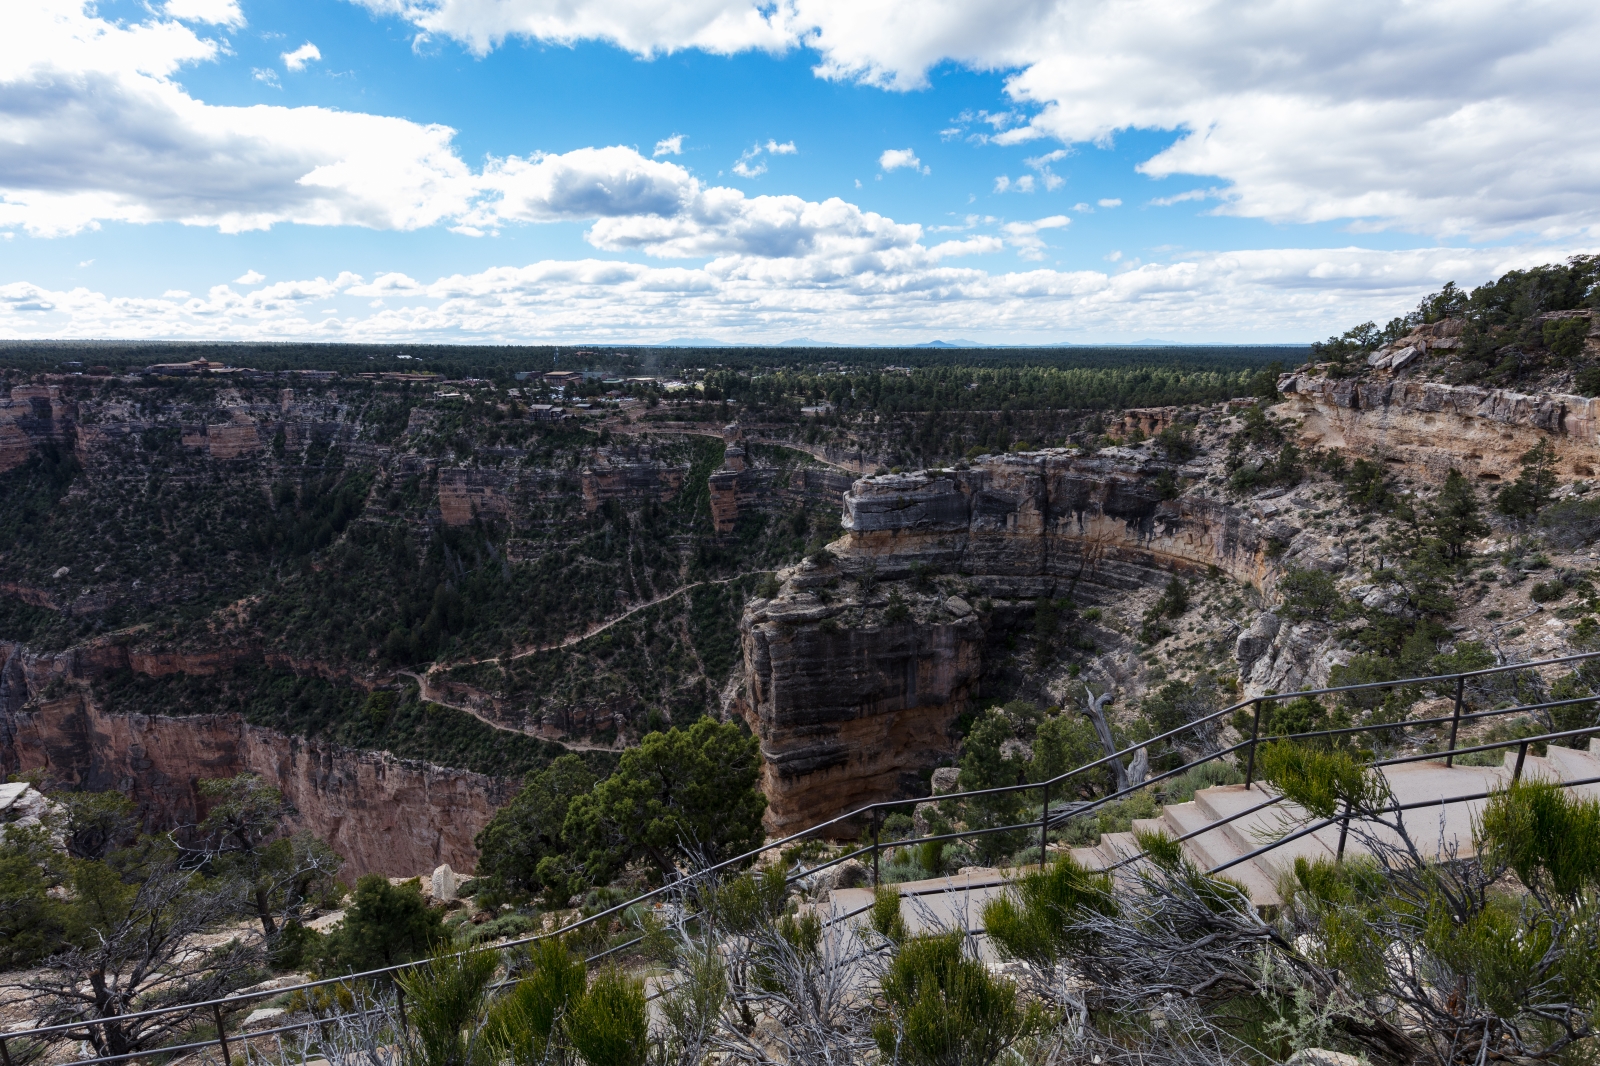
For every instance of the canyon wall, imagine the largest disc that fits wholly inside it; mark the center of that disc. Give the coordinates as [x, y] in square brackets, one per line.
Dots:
[851, 708]
[384, 815]
[847, 716]
[1048, 523]
[1429, 428]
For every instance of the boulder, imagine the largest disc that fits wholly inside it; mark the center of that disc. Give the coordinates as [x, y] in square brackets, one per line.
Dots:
[443, 884]
[946, 779]
[262, 1015]
[848, 874]
[1404, 358]
[1254, 642]
[958, 606]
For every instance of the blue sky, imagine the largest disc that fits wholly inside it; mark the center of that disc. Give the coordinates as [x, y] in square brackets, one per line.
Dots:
[194, 170]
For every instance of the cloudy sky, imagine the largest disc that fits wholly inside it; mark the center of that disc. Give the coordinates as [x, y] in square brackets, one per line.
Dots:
[1005, 171]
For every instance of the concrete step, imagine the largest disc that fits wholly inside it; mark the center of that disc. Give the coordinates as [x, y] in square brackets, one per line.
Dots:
[1250, 831]
[1090, 857]
[1534, 768]
[1571, 764]
[1215, 848]
[1438, 831]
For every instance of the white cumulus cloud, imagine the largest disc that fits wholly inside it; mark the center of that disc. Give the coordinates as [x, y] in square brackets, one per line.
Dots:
[1429, 116]
[1282, 294]
[1024, 236]
[217, 12]
[249, 277]
[296, 60]
[669, 146]
[898, 158]
[93, 128]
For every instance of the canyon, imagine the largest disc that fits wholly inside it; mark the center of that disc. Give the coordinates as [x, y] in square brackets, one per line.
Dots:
[854, 669]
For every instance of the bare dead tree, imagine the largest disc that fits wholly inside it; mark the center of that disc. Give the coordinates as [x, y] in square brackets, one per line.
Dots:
[142, 955]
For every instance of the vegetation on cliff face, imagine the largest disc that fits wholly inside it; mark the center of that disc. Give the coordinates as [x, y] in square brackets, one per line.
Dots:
[396, 720]
[1526, 329]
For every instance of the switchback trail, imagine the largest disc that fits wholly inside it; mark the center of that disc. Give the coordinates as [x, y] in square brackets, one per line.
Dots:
[423, 679]
[431, 697]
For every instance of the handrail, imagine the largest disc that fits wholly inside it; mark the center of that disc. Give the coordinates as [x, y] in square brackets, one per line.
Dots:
[1048, 818]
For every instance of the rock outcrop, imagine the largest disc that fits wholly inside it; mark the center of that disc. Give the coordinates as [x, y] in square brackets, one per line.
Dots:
[852, 707]
[384, 814]
[1431, 428]
[849, 716]
[1043, 523]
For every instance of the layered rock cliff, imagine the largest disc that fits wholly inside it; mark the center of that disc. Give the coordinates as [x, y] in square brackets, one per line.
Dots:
[1392, 410]
[383, 814]
[855, 700]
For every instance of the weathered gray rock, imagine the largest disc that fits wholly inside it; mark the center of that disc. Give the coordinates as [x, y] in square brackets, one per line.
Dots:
[1404, 358]
[443, 883]
[848, 874]
[1391, 599]
[946, 779]
[1254, 642]
[958, 606]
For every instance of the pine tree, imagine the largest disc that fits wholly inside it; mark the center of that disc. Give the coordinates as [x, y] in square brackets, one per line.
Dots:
[1453, 518]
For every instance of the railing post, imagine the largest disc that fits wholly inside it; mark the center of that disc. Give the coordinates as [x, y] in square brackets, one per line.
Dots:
[1344, 831]
[1255, 734]
[875, 878]
[1455, 722]
[1044, 826]
[400, 1002]
[1522, 756]
[5, 1053]
[222, 1034]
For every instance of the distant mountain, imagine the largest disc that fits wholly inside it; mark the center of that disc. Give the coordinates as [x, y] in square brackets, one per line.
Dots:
[807, 342]
[949, 344]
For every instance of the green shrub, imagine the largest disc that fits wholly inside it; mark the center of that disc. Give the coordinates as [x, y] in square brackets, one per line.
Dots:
[383, 925]
[608, 1026]
[1547, 591]
[897, 611]
[1308, 593]
[885, 915]
[1322, 782]
[1034, 920]
[1066, 742]
[1526, 496]
[945, 1009]
[1587, 381]
[523, 1022]
[1177, 443]
[1564, 336]
[1571, 523]
[1367, 487]
[446, 1005]
[1550, 837]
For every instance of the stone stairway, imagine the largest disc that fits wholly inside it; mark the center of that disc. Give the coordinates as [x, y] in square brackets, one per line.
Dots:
[956, 901]
[1434, 830]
